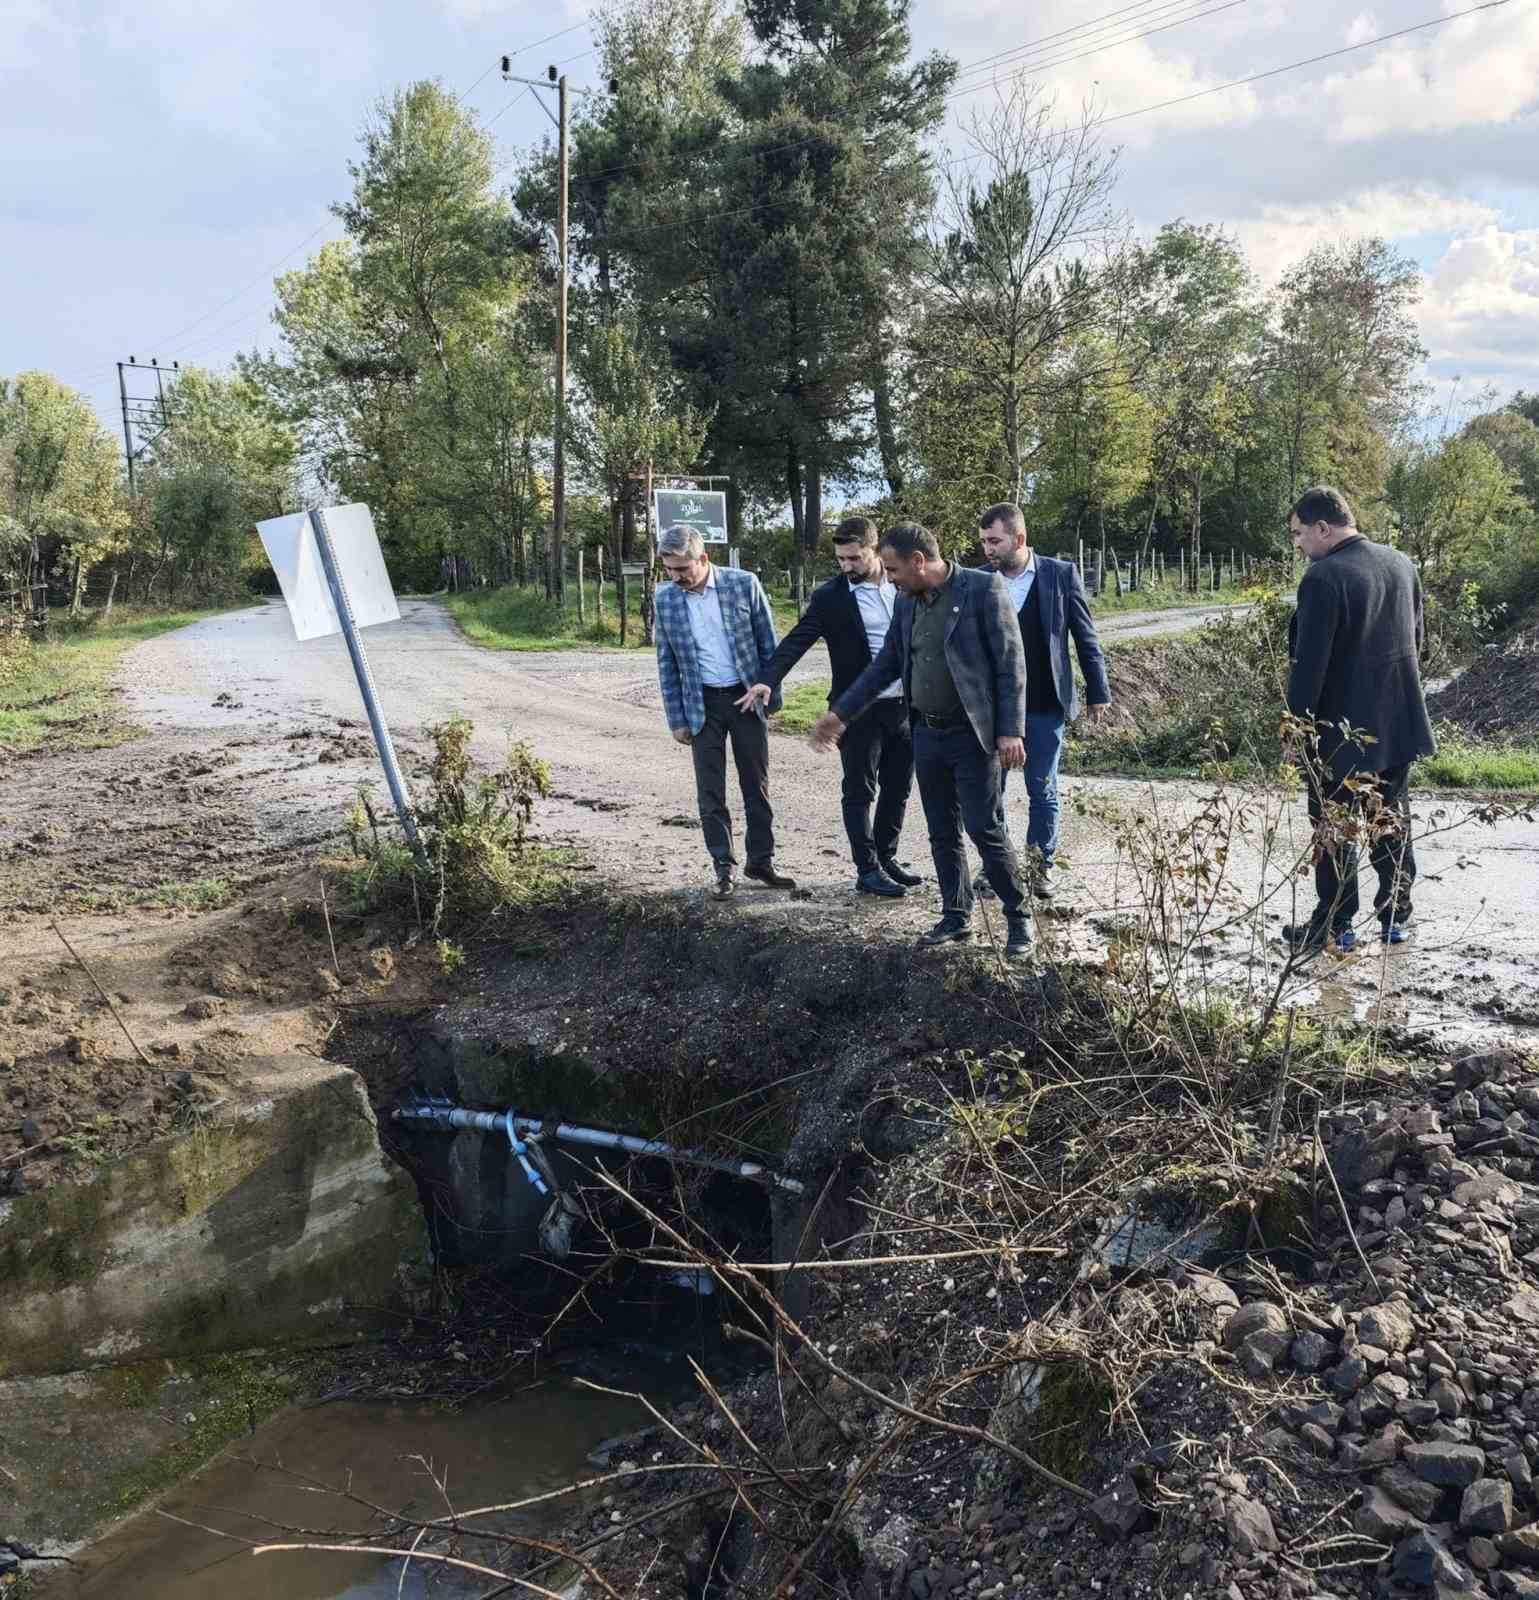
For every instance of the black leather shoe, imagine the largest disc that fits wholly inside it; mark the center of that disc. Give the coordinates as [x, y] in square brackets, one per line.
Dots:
[947, 931]
[726, 884]
[765, 873]
[909, 880]
[1305, 937]
[877, 882]
[1021, 941]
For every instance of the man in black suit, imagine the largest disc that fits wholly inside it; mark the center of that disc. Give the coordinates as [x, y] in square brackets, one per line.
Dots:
[955, 647]
[852, 613]
[1355, 644]
[1050, 604]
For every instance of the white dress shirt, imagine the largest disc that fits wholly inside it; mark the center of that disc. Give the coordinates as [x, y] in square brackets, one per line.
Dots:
[875, 602]
[712, 647]
[1020, 585]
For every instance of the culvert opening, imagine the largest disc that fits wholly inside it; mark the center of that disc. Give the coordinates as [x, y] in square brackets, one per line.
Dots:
[569, 1230]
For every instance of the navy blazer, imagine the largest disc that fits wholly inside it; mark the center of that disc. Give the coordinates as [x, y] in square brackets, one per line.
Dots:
[833, 614]
[1060, 599]
[983, 650]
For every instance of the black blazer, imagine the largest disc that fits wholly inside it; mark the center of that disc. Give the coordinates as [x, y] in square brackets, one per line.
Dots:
[983, 650]
[833, 615]
[1355, 640]
[1060, 597]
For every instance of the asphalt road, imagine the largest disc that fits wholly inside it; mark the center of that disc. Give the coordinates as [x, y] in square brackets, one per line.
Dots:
[624, 791]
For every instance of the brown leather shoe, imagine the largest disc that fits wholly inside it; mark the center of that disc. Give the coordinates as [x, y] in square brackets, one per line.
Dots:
[765, 874]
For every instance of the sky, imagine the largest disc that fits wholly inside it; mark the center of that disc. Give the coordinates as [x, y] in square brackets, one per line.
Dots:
[160, 162]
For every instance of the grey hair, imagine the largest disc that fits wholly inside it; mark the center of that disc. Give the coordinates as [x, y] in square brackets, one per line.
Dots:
[681, 540]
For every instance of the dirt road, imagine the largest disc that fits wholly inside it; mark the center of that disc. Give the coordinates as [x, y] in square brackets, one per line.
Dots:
[256, 743]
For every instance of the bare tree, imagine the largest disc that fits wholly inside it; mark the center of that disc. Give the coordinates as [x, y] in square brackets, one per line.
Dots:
[1022, 257]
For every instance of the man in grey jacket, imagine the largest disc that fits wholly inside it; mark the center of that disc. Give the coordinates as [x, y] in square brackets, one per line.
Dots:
[956, 648]
[1355, 644]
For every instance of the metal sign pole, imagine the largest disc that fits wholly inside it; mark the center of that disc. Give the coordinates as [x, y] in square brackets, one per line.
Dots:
[365, 680]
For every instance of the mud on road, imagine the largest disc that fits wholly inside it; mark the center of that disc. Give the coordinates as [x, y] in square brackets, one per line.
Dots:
[253, 747]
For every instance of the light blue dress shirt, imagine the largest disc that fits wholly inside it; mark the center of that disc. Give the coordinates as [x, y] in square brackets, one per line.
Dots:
[876, 601]
[717, 668]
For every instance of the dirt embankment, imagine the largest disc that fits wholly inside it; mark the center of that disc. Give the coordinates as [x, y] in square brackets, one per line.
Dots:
[1311, 1373]
[1497, 695]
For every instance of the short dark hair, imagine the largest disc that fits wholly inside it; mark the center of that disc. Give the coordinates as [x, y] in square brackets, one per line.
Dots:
[1006, 512]
[856, 530]
[1324, 504]
[907, 539]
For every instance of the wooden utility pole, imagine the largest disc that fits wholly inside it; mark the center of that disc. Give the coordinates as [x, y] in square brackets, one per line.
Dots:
[558, 486]
[558, 432]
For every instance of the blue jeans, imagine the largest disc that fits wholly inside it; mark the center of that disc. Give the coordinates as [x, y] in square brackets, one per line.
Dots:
[960, 788]
[1044, 746]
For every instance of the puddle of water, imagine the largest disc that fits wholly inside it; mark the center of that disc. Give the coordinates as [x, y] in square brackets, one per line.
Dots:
[507, 1449]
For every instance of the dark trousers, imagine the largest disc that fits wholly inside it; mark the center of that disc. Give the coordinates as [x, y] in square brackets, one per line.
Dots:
[959, 787]
[1385, 813]
[878, 756]
[750, 752]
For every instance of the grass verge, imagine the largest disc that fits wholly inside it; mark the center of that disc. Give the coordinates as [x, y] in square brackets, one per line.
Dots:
[523, 619]
[804, 704]
[58, 693]
[1465, 763]
[1166, 597]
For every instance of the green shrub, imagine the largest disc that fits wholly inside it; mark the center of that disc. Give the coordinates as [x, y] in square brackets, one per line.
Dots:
[474, 829]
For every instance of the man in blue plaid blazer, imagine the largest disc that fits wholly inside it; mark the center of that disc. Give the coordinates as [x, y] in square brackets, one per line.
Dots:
[715, 634]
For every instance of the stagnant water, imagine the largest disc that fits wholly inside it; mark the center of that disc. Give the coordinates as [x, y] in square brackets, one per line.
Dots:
[531, 1441]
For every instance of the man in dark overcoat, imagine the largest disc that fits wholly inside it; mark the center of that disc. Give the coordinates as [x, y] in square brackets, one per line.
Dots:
[1355, 677]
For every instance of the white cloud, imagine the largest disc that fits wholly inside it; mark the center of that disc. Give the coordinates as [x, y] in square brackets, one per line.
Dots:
[1363, 27]
[1474, 72]
[1283, 235]
[1480, 313]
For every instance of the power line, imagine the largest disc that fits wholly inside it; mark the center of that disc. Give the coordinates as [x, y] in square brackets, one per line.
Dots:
[505, 110]
[1081, 30]
[262, 277]
[1309, 61]
[1111, 44]
[1144, 11]
[1122, 116]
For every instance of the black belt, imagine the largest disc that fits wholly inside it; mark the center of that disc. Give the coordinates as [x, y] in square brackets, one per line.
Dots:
[940, 723]
[727, 688]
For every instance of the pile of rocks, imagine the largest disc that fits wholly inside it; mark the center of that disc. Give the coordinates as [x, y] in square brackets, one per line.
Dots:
[1425, 1362]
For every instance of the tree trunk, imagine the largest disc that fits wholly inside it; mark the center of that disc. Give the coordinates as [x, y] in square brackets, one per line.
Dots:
[1013, 440]
[794, 488]
[112, 589]
[1196, 530]
[628, 524]
[734, 514]
[812, 519]
[617, 509]
[886, 428]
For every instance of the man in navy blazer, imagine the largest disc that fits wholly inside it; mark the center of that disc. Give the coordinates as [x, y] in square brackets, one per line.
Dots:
[955, 647]
[1049, 602]
[852, 613]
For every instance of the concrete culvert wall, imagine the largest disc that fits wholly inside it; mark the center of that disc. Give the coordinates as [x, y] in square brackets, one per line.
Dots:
[267, 1225]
